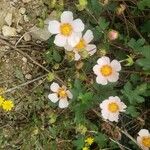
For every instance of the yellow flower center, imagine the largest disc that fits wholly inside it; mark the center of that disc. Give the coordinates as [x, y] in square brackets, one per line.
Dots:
[7, 105]
[62, 93]
[66, 29]
[81, 45]
[106, 70]
[113, 107]
[146, 141]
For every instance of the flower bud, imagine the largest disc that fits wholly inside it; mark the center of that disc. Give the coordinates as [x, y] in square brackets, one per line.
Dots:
[112, 35]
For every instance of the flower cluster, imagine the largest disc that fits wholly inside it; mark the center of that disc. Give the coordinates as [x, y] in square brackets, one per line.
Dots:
[6, 105]
[69, 35]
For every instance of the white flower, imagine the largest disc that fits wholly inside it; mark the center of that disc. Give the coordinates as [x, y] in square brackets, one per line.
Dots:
[144, 139]
[111, 108]
[68, 31]
[106, 70]
[83, 45]
[60, 94]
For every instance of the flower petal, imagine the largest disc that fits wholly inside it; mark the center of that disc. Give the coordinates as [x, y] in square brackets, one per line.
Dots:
[103, 60]
[54, 87]
[91, 48]
[116, 65]
[78, 25]
[96, 69]
[53, 97]
[60, 40]
[63, 103]
[69, 94]
[54, 27]
[88, 36]
[101, 80]
[74, 39]
[105, 114]
[77, 56]
[144, 132]
[66, 17]
[68, 47]
[113, 117]
[114, 77]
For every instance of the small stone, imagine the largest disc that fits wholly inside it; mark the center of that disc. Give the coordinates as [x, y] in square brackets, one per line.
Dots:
[24, 59]
[26, 18]
[8, 19]
[8, 31]
[27, 37]
[28, 76]
[22, 10]
[19, 28]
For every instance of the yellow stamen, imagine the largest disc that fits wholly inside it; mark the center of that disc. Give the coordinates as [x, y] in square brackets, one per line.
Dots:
[81, 45]
[113, 107]
[7, 105]
[62, 93]
[106, 70]
[66, 29]
[146, 141]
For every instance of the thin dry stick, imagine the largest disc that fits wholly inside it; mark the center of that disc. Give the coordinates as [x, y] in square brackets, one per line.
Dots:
[124, 132]
[119, 144]
[24, 84]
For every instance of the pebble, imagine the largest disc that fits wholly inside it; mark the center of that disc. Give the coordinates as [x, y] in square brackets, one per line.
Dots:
[22, 10]
[24, 59]
[8, 31]
[8, 19]
[28, 76]
[27, 37]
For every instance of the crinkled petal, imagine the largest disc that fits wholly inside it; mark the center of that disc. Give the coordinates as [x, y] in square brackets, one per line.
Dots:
[54, 87]
[116, 65]
[88, 36]
[91, 48]
[103, 60]
[105, 114]
[53, 97]
[78, 25]
[101, 80]
[68, 47]
[113, 117]
[66, 17]
[114, 77]
[74, 39]
[96, 69]
[122, 107]
[69, 94]
[77, 56]
[60, 40]
[144, 132]
[63, 103]
[54, 27]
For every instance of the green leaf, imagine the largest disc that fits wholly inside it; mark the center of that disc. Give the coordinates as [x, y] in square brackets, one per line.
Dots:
[144, 62]
[101, 140]
[131, 110]
[56, 56]
[134, 95]
[143, 4]
[136, 45]
[103, 24]
[79, 143]
[95, 6]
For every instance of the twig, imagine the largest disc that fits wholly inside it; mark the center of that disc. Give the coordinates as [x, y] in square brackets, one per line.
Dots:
[24, 84]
